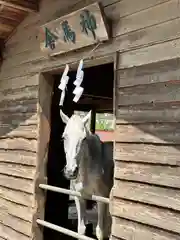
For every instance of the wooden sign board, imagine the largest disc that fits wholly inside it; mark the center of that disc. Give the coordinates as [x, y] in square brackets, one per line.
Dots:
[76, 30]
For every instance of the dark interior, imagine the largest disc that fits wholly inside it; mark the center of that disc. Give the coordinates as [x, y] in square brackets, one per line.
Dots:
[98, 94]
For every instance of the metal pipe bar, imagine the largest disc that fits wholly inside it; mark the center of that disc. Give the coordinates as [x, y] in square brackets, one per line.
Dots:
[62, 230]
[73, 193]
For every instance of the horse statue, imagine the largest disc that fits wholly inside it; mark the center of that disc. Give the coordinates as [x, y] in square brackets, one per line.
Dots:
[89, 166]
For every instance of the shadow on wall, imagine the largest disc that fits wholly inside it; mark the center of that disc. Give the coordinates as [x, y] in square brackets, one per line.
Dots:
[17, 113]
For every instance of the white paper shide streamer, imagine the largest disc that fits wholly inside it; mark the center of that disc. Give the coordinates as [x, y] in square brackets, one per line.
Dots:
[63, 83]
[78, 91]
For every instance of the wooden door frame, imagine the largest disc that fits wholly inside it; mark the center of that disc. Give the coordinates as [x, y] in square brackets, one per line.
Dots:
[44, 128]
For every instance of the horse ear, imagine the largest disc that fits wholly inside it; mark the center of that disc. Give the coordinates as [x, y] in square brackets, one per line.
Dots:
[64, 117]
[86, 118]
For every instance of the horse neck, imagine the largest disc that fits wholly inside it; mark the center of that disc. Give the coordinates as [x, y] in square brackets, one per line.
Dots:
[91, 151]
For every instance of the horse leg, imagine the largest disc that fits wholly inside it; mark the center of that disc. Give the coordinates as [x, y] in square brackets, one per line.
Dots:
[81, 212]
[101, 207]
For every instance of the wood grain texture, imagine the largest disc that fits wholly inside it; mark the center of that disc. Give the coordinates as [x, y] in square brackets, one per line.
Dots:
[165, 133]
[8, 233]
[16, 196]
[147, 194]
[152, 174]
[163, 71]
[16, 210]
[22, 157]
[36, 63]
[44, 112]
[13, 169]
[147, 153]
[125, 229]
[109, 48]
[161, 218]
[27, 132]
[21, 82]
[126, 7]
[20, 184]
[18, 144]
[22, 106]
[152, 30]
[18, 94]
[151, 35]
[151, 93]
[16, 224]
[112, 12]
[148, 36]
[26, 6]
[165, 112]
[15, 120]
[162, 12]
[149, 54]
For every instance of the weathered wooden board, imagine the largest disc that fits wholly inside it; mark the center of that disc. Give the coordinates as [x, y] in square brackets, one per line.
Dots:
[149, 113]
[19, 120]
[166, 133]
[15, 196]
[154, 15]
[17, 170]
[157, 36]
[153, 93]
[147, 153]
[21, 82]
[21, 93]
[164, 71]
[153, 216]
[44, 129]
[76, 30]
[22, 157]
[147, 194]
[22, 212]
[18, 144]
[149, 36]
[22, 106]
[9, 233]
[131, 41]
[150, 54]
[38, 64]
[15, 223]
[146, 173]
[20, 184]
[125, 229]
[27, 132]
[127, 7]
[46, 16]
[15, 45]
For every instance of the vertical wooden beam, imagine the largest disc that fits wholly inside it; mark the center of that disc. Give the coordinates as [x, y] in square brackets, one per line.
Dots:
[44, 118]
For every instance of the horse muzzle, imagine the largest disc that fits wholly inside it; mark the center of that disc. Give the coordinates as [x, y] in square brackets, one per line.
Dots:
[70, 175]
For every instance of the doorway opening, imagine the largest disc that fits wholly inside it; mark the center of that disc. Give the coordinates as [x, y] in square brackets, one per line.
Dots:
[98, 97]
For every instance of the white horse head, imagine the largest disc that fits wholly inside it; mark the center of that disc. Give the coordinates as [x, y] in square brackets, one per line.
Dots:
[74, 133]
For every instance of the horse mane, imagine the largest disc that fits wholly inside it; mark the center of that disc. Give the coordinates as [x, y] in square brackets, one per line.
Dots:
[95, 145]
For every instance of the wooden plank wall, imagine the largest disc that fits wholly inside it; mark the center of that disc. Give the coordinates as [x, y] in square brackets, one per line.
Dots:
[18, 150]
[146, 197]
[146, 193]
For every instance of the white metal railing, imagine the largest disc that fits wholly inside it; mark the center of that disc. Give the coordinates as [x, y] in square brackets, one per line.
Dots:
[73, 193]
[63, 230]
